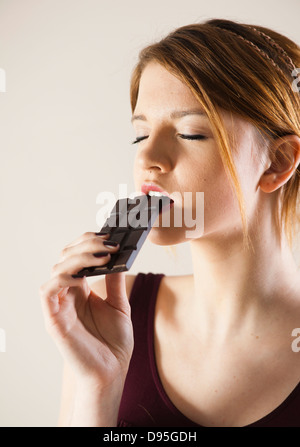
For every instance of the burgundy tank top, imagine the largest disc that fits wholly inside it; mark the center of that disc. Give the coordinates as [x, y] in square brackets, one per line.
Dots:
[144, 401]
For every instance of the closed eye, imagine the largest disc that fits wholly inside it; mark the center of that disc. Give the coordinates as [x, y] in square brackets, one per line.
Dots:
[138, 139]
[183, 136]
[192, 137]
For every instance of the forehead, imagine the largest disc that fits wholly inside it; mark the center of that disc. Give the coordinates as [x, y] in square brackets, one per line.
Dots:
[161, 92]
[159, 87]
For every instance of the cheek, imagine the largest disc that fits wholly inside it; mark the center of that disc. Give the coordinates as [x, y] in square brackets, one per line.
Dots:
[136, 174]
[220, 203]
[219, 198]
[250, 167]
[207, 176]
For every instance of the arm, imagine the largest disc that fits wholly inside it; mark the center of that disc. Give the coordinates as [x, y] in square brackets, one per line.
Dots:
[93, 333]
[85, 405]
[73, 398]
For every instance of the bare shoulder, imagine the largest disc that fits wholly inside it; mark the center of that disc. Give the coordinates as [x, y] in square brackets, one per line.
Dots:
[99, 286]
[177, 283]
[173, 289]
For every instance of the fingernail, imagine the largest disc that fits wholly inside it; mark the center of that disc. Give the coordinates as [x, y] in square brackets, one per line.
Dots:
[101, 254]
[110, 243]
[102, 233]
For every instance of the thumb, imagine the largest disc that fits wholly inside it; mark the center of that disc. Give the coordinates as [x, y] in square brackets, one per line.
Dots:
[116, 291]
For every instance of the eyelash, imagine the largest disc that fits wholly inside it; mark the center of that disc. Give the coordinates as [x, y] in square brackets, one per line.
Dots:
[138, 139]
[183, 136]
[192, 137]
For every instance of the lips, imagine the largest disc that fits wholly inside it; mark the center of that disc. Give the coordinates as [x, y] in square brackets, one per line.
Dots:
[146, 187]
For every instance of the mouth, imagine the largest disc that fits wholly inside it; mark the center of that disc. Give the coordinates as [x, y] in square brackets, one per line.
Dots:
[153, 190]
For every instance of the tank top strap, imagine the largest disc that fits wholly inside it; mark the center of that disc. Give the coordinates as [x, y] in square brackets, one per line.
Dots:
[142, 301]
[140, 390]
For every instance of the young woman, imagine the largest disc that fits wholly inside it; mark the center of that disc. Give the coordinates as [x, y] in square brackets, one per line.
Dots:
[215, 110]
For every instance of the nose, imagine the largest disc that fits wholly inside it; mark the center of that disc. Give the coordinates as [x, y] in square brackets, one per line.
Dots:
[155, 154]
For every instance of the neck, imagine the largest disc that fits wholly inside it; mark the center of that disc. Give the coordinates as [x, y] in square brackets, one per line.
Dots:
[232, 284]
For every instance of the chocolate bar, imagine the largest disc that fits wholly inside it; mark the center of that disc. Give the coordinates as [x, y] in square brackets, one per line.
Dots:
[129, 223]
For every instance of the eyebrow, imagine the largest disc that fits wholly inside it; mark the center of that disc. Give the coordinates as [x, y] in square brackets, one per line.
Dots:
[174, 115]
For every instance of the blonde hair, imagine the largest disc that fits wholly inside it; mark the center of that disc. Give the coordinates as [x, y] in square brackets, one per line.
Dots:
[246, 70]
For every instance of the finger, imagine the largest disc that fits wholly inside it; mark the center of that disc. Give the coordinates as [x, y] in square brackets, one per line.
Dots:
[92, 244]
[85, 236]
[116, 291]
[54, 290]
[73, 264]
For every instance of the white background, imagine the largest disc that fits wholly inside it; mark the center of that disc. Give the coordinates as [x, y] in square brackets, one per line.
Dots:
[65, 136]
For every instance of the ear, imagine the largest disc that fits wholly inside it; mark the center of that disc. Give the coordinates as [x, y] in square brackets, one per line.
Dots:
[286, 159]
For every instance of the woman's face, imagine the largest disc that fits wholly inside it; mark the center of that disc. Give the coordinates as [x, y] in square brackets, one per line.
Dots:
[178, 153]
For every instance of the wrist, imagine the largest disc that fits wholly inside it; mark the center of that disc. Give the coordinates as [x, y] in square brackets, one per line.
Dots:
[96, 405]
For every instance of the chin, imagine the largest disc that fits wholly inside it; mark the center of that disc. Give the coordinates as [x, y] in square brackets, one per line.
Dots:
[167, 236]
